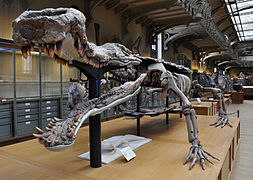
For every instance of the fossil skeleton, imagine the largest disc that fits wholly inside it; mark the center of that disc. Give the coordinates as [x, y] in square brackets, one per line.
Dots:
[62, 34]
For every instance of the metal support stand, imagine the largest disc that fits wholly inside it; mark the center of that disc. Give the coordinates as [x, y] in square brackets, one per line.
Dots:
[40, 88]
[167, 114]
[94, 76]
[212, 110]
[95, 126]
[14, 125]
[238, 113]
[138, 118]
[181, 112]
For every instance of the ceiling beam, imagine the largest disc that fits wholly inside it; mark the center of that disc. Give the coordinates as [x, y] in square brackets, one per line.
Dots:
[143, 10]
[141, 16]
[215, 10]
[177, 21]
[112, 4]
[224, 30]
[190, 46]
[170, 15]
[120, 8]
[179, 17]
[222, 20]
[160, 26]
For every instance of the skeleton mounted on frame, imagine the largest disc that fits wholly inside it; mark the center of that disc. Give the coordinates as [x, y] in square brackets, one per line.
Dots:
[62, 34]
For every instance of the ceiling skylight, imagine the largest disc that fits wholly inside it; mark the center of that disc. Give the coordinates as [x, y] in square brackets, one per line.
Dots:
[241, 13]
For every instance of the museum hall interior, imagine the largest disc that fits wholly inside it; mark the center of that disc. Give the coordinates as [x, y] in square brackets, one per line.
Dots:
[126, 89]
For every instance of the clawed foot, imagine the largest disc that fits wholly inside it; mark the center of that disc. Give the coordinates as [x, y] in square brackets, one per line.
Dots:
[197, 151]
[221, 120]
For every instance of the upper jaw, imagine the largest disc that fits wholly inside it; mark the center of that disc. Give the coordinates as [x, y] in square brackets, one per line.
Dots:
[50, 30]
[48, 26]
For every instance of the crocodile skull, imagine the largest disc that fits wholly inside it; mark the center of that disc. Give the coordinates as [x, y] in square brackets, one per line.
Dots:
[62, 34]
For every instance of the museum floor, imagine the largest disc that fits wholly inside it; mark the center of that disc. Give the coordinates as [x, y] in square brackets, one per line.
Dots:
[162, 158]
[243, 168]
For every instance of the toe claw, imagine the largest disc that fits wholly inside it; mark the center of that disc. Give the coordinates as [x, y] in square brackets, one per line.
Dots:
[39, 130]
[194, 158]
[188, 156]
[202, 161]
[38, 136]
[211, 155]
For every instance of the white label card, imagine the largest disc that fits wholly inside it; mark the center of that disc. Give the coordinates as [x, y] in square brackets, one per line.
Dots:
[48, 102]
[27, 104]
[27, 110]
[199, 101]
[28, 122]
[48, 107]
[128, 153]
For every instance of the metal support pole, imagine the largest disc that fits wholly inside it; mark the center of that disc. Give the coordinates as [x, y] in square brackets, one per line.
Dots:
[14, 97]
[212, 110]
[181, 112]
[238, 113]
[95, 125]
[167, 114]
[40, 89]
[61, 97]
[138, 118]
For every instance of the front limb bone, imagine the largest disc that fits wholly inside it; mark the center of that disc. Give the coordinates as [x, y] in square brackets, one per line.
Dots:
[196, 148]
[223, 114]
[192, 126]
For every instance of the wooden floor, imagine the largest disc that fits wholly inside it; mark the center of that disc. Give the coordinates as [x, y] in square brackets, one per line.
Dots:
[162, 158]
[243, 168]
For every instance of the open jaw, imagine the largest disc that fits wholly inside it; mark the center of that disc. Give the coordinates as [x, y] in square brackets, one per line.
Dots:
[61, 33]
[60, 134]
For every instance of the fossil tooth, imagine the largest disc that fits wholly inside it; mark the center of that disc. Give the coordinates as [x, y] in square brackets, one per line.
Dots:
[56, 141]
[77, 117]
[41, 48]
[69, 128]
[53, 121]
[24, 52]
[51, 50]
[59, 48]
[64, 62]
[38, 136]
[72, 124]
[49, 125]
[45, 48]
[48, 129]
[32, 46]
[57, 119]
[85, 59]
[71, 135]
[29, 50]
[70, 65]
[46, 140]
[79, 47]
[39, 130]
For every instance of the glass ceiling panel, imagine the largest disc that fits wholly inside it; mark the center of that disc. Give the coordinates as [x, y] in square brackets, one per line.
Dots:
[249, 38]
[248, 33]
[241, 13]
[247, 26]
[246, 18]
